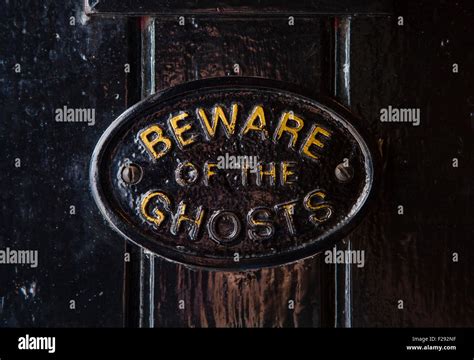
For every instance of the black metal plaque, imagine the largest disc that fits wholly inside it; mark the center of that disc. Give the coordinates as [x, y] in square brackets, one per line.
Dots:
[233, 173]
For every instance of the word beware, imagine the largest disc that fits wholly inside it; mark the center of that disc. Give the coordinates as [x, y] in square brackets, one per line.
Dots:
[183, 130]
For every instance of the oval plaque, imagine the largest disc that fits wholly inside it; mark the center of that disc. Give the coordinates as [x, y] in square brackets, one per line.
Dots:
[233, 173]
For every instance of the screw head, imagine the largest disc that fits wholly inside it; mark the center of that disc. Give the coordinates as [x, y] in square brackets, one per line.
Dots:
[344, 173]
[131, 173]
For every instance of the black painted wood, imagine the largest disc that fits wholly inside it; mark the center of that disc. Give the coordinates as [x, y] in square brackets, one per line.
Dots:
[80, 258]
[410, 256]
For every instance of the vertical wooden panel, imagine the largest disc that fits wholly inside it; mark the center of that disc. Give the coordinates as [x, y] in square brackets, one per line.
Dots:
[409, 257]
[205, 48]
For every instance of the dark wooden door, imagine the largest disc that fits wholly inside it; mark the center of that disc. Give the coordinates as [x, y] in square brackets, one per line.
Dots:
[369, 56]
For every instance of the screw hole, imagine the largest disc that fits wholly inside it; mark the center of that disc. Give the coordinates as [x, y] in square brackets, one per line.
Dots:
[344, 173]
[131, 173]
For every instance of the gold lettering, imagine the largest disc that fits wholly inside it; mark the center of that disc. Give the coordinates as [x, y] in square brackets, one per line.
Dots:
[271, 172]
[157, 216]
[245, 175]
[288, 212]
[287, 171]
[284, 127]
[208, 172]
[186, 173]
[312, 140]
[260, 221]
[218, 114]
[180, 217]
[322, 210]
[150, 144]
[257, 113]
[179, 131]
